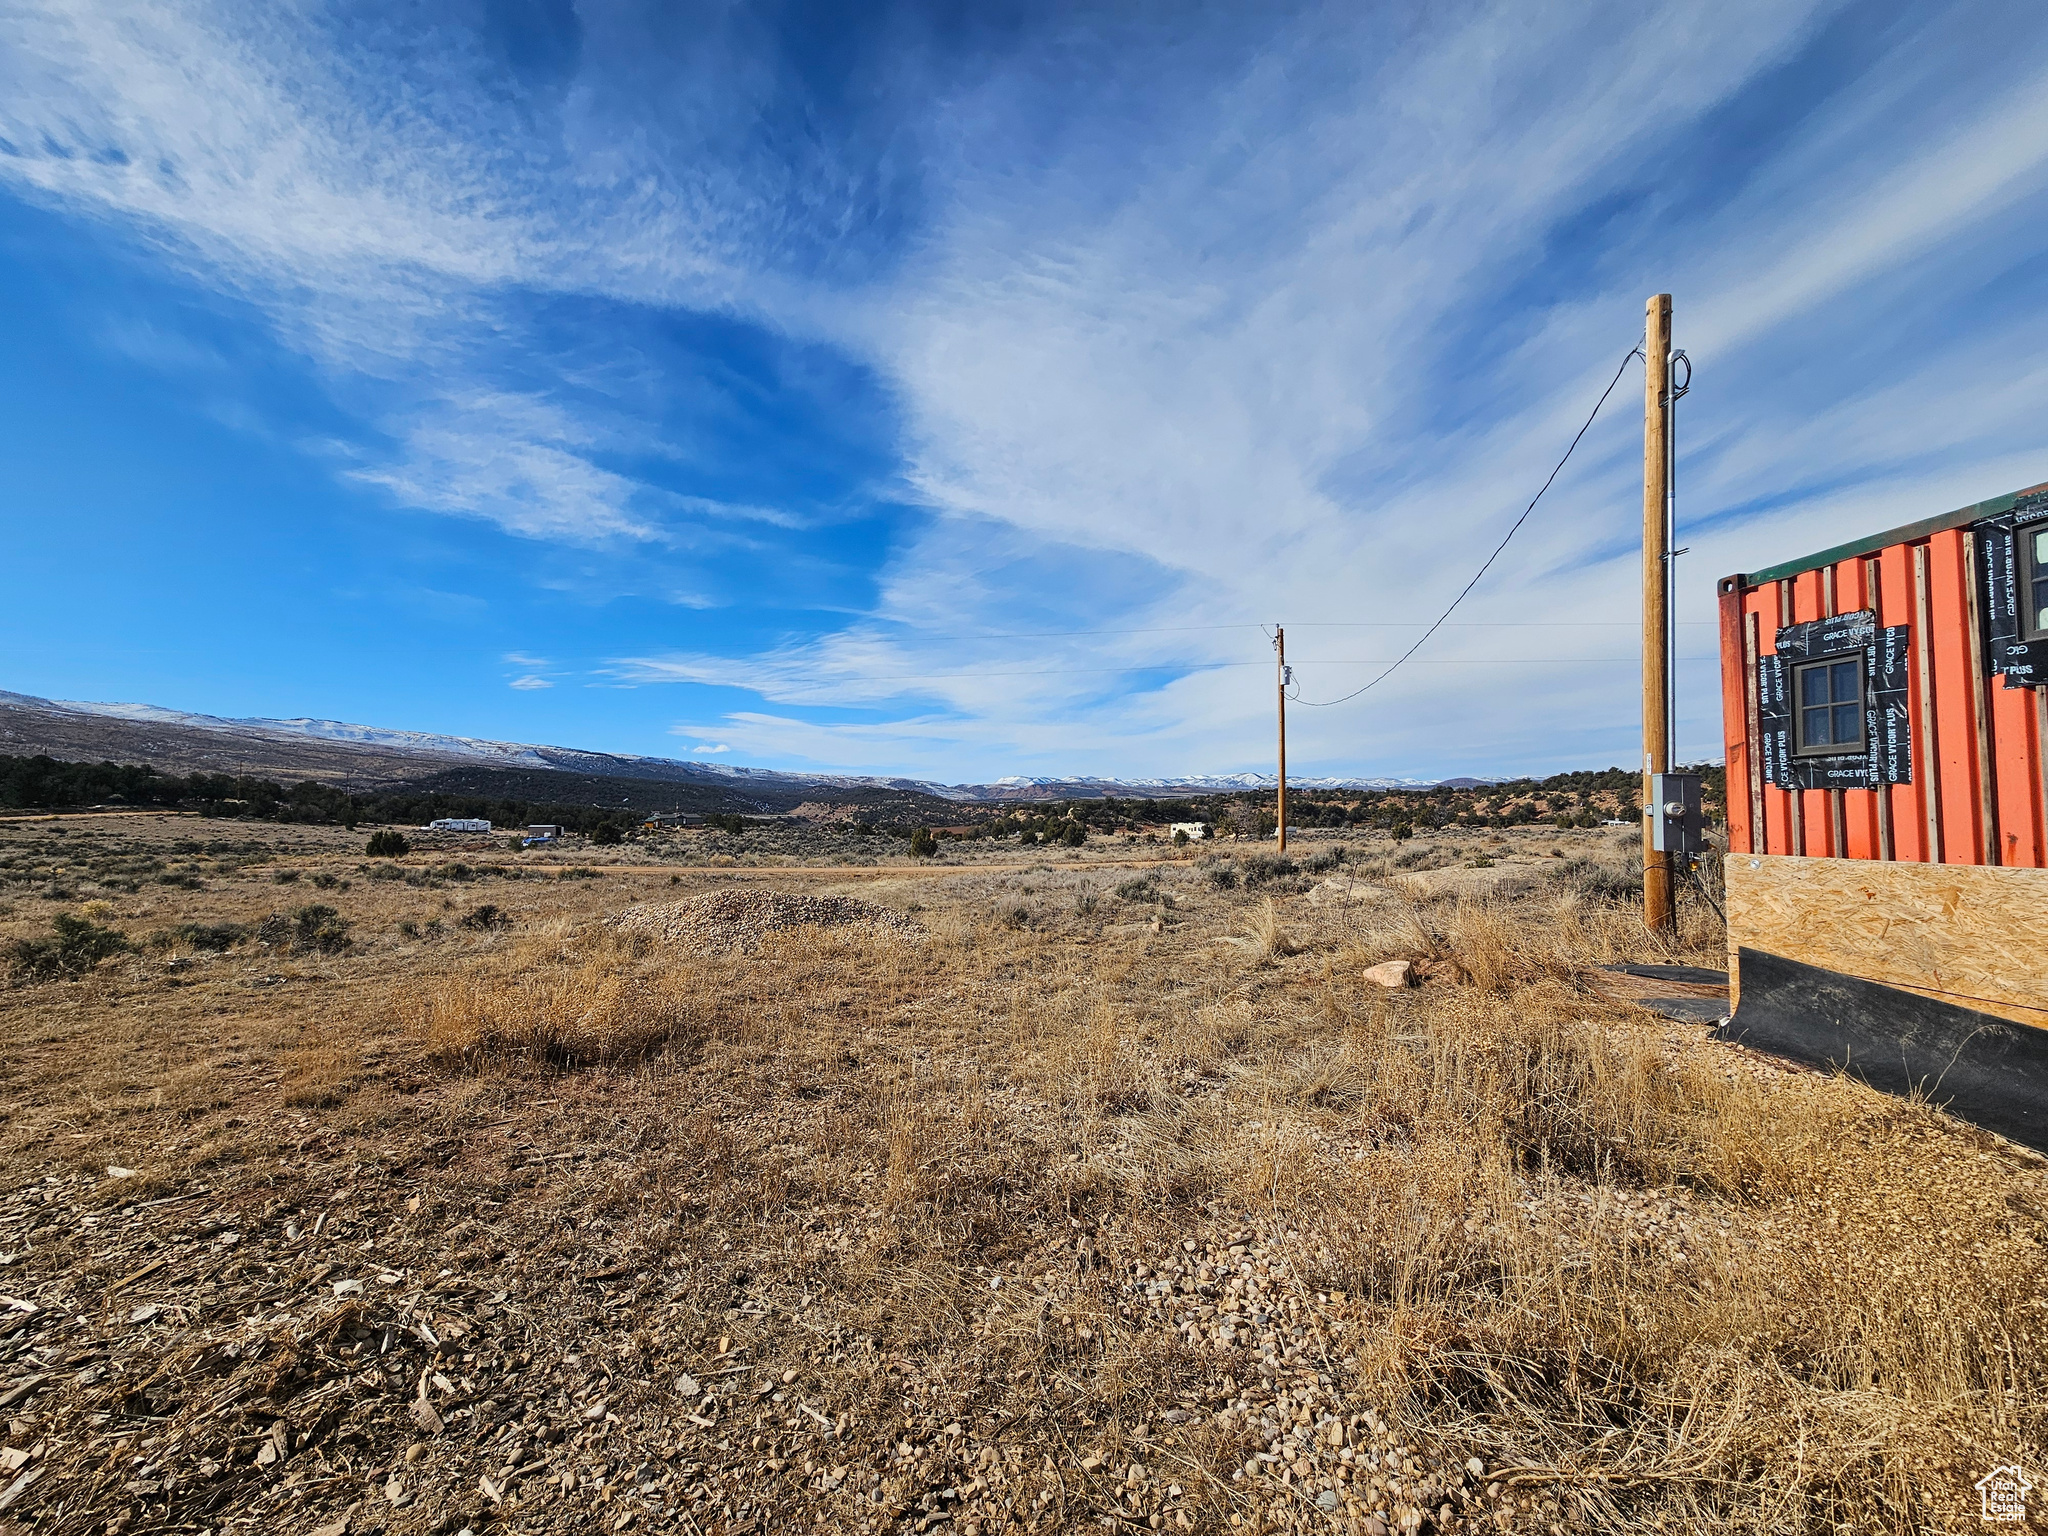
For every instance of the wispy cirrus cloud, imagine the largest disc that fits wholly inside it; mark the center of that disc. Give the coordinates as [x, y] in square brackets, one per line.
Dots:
[1260, 316]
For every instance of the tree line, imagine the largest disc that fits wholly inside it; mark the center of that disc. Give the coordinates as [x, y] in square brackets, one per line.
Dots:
[45, 783]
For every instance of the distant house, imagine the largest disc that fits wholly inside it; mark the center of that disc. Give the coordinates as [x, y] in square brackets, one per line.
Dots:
[662, 819]
[1194, 831]
[542, 832]
[459, 824]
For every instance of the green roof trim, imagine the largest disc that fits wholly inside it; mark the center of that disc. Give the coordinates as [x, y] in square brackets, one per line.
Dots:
[1962, 517]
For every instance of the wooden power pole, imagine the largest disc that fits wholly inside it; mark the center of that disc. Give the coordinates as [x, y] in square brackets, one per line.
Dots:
[1280, 678]
[1658, 909]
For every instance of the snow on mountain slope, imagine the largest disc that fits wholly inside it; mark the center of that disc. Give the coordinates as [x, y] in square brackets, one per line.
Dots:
[512, 754]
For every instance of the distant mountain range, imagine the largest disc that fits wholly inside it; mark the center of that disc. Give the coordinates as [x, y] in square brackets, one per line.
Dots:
[374, 757]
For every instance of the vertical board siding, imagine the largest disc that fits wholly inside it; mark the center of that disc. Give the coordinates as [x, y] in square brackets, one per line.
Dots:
[1735, 731]
[1955, 717]
[1908, 803]
[1978, 795]
[2015, 751]
[1761, 604]
[1858, 806]
[1929, 746]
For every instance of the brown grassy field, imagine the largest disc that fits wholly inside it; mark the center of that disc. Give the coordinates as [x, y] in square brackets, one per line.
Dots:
[1104, 1193]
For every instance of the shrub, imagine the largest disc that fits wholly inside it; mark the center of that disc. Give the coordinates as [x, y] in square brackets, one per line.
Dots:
[209, 936]
[325, 881]
[486, 917]
[923, 844]
[1180, 839]
[1223, 877]
[388, 844]
[1401, 831]
[319, 928]
[1266, 866]
[287, 876]
[1140, 889]
[76, 946]
[1074, 835]
[1027, 837]
[1596, 880]
[607, 835]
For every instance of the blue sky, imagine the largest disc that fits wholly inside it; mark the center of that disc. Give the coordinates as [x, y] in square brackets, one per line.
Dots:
[955, 391]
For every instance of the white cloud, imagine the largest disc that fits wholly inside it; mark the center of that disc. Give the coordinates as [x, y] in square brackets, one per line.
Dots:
[530, 683]
[1174, 345]
[719, 747]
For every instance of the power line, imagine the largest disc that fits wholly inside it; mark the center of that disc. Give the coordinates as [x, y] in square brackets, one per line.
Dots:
[1189, 629]
[1195, 666]
[1489, 624]
[1418, 645]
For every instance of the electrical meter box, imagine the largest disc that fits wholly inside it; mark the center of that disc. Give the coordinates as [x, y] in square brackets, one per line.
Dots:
[1677, 824]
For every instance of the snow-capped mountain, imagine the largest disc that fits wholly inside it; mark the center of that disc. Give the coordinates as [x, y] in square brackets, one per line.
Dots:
[239, 741]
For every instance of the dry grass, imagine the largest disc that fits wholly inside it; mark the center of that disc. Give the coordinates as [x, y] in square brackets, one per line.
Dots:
[1060, 1190]
[594, 1001]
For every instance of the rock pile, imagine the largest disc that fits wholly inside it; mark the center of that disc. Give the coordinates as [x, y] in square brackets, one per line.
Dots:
[741, 919]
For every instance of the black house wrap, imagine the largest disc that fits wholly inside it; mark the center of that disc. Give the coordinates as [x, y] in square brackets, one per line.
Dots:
[1887, 757]
[2024, 662]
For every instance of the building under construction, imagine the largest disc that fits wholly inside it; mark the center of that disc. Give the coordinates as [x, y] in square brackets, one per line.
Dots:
[1885, 706]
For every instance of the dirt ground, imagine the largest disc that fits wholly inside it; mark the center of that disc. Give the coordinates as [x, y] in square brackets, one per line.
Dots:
[1094, 1189]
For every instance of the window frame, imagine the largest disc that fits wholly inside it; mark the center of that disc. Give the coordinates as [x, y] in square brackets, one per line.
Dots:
[1800, 746]
[2029, 573]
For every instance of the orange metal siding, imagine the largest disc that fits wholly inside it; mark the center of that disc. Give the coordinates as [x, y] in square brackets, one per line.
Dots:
[1978, 794]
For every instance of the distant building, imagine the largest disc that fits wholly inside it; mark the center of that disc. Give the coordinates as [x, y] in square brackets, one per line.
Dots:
[542, 832]
[1195, 831]
[672, 819]
[459, 824]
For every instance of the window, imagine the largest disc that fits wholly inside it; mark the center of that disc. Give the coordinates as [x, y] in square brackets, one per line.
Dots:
[1829, 697]
[2034, 582]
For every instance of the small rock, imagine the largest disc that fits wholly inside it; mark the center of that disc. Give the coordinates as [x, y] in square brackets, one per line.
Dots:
[1327, 1499]
[348, 1287]
[1393, 974]
[688, 1386]
[1476, 1467]
[120, 1173]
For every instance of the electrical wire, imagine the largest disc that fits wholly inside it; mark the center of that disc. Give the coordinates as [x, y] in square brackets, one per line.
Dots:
[1633, 353]
[1707, 896]
[1193, 667]
[1487, 624]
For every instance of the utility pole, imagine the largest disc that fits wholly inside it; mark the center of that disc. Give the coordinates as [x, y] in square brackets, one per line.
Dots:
[1280, 679]
[1658, 910]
